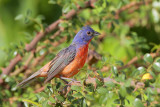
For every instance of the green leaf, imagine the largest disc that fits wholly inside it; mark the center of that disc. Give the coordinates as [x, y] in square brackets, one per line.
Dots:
[74, 6]
[60, 98]
[117, 101]
[78, 95]
[50, 88]
[138, 103]
[141, 70]
[84, 103]
[4, 76]
[32, 102]
[138, 71]
[52, 100]
[153, 74]
[8, 93]
[150, 90]
[52, 2]
[28, 12]
[128, 82]
[39, 19]
[103, 99]
[26, 20]
[158, 59]
[58, 85]
[89, 97]
[112, 27]
[120, 63]
[76, 88]
[102, 90]
[98, 82]
[7, 79]
[104, 59]
[148, 58]
[81, 3]
[20, 16]
[100, 73]
[26, 104]
[44, 95]
[116, 21]
[113, 12]
[89, 71]
[14, 88]
[45, 103]
[123, 91]
[156, 66]
[114, 70]
[109, 84]
[66, 8]
[63, 24]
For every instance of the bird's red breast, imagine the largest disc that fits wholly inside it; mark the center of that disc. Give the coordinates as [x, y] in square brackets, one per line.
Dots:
[78, 62]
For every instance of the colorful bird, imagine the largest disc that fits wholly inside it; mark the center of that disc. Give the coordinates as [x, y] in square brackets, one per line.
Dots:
[68, 61]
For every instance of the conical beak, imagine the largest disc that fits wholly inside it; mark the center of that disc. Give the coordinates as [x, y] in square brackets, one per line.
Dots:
[96, 33]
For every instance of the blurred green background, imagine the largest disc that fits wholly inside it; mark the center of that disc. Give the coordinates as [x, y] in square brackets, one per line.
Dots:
[12, 31]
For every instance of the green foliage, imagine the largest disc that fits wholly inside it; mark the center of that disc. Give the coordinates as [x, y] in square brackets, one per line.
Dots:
[135, 33]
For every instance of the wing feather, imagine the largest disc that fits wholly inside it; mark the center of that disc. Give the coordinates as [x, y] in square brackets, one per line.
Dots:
[64, 58]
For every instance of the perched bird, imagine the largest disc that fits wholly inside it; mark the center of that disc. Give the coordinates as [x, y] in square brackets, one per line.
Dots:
[68, 61]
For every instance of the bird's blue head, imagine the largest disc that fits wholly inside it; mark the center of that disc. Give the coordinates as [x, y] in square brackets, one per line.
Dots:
[85, 35]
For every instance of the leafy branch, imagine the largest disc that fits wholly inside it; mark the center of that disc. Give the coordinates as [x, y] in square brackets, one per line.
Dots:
[31, 46]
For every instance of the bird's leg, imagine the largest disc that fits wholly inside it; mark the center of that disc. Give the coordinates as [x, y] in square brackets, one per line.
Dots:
[62, 78]
[66, 90]
[72, 80]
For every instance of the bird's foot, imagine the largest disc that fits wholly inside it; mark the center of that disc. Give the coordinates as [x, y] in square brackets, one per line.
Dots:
[73, 82]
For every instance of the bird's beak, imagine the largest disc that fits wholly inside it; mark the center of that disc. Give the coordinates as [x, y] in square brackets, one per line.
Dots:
[96, 33]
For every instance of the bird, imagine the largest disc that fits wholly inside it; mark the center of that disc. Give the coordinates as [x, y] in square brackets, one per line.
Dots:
[68, 61]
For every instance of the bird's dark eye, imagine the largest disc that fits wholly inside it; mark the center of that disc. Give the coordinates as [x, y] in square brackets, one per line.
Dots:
[89, 33]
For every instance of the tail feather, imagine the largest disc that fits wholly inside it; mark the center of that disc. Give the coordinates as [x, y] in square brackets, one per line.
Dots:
[29, 79]
[25, 82]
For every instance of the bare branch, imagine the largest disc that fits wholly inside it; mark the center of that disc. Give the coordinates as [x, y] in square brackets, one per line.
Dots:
[136, 5]
[10, 67]
[132, 61]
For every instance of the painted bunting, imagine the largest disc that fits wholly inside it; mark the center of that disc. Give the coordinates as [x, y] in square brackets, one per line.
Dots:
[68, 61]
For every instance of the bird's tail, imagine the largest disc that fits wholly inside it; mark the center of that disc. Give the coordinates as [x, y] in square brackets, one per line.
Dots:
[29, 79]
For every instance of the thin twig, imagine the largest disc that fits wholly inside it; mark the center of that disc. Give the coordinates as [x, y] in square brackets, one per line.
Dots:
[131, 62]
[136, 5]
[10, 67]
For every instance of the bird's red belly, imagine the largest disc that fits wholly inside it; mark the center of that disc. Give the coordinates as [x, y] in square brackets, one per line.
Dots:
[78, 62]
